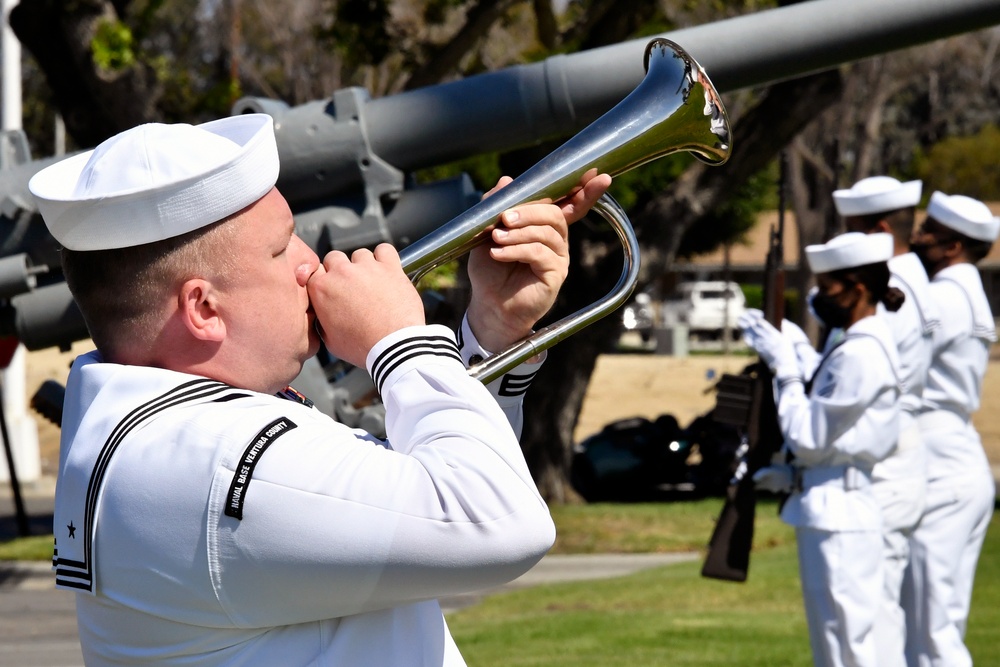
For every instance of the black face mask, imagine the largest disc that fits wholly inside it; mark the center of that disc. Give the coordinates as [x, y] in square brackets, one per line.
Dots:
[833, 315]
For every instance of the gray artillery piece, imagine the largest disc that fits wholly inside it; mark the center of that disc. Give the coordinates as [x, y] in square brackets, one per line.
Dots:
[346, 161]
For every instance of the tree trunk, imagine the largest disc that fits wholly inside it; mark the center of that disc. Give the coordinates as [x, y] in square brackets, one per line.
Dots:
[95, 103]
[553, 403]
[444, 61]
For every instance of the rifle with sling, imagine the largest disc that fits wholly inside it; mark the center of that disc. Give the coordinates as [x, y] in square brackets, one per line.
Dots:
[746, 401]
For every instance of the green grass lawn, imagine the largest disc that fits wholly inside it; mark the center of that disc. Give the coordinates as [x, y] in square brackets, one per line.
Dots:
[664, 616]
[671, 615]
[36, 547]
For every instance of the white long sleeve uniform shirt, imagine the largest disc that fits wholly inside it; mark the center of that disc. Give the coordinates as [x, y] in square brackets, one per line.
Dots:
[207, 525]
[912, 327]
[955, 380]
[850, 419]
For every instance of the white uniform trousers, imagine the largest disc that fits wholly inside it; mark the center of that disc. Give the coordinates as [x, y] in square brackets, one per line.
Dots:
[900, 485]
[944, 552]
[841, 573]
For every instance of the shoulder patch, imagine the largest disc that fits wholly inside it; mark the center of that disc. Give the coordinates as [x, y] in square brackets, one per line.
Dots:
[827, 388]
[251, 455]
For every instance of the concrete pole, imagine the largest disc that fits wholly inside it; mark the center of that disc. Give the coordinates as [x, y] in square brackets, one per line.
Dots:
[21, 426]
[10, 78]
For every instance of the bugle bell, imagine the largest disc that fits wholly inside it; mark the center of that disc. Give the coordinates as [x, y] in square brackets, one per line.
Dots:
[674, 108]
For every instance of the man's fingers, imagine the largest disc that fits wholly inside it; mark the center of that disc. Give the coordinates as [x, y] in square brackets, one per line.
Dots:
[596, 187]
[531, 216]
[551, 236]
[385, 252]
[333, 260]
[502, 183]
[580, 202]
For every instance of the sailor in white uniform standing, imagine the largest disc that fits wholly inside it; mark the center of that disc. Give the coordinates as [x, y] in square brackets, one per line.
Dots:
[957, 233]
[839, 416]
[201, 516]
[881, 204]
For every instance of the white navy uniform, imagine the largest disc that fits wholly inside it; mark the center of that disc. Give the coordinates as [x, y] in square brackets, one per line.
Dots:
[960, 490]
[837, 433]
[202, 524]
[899, 482]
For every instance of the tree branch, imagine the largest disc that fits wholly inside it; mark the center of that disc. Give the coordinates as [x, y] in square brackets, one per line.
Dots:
[94, 103]
[445, 60]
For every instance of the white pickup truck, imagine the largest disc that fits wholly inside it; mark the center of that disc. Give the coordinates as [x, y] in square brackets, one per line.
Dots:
[706, 307]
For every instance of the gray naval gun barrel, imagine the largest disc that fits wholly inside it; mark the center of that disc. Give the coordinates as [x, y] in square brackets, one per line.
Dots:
[329, 147]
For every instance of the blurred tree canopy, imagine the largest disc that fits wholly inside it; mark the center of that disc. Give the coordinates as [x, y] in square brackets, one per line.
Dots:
[963, 164]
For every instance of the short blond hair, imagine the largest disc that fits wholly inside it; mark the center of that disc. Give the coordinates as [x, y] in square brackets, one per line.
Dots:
[124, 293]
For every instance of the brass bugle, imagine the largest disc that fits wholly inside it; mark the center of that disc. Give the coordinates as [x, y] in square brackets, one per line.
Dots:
[674, 108]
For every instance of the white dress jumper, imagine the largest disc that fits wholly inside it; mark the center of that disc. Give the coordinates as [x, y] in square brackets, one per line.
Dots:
[848, 422]
[900, 481]
[960, 490]
[205, 525]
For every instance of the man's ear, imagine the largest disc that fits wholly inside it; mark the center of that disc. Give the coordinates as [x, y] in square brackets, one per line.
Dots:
[864, 296]
[882, 226]
[199, 310]
[954, 249]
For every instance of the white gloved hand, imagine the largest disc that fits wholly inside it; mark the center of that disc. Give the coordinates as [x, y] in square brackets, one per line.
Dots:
[810, 295]
[794, 333]
[774, 349]
[776, 478]
[805, 353]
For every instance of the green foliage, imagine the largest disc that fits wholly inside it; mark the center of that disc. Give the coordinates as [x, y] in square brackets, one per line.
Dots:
[440, 278]
[220, 97]
[484, 170]
[754, 295]
[359, 31]
[726, 223]
[36, 547]
[963, 165]
[179, 41]
[733, 218]
[113, 46]
[146, 17]
[437, 11]
[636, 187]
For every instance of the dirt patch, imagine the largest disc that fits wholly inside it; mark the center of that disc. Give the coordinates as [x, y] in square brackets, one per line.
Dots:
[630, 385]
[623, 385]
[648, 385]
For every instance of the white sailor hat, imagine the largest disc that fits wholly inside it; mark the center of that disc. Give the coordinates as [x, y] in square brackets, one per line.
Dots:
[157, 181]
[965, 215]
[849, 250]
[877, 194]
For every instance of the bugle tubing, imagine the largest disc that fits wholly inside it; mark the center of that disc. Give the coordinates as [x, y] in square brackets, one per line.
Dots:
[674, 108]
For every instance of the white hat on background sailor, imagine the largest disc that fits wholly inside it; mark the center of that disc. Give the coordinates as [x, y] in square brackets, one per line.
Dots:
[157, 181]
[848, 251]
[877, 194]
[965, 215]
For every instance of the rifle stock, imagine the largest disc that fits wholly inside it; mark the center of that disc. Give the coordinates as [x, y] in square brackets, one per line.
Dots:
[747, 402]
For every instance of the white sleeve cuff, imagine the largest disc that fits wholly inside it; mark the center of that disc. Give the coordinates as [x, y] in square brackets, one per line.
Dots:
[408, 348]
[509, 388]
